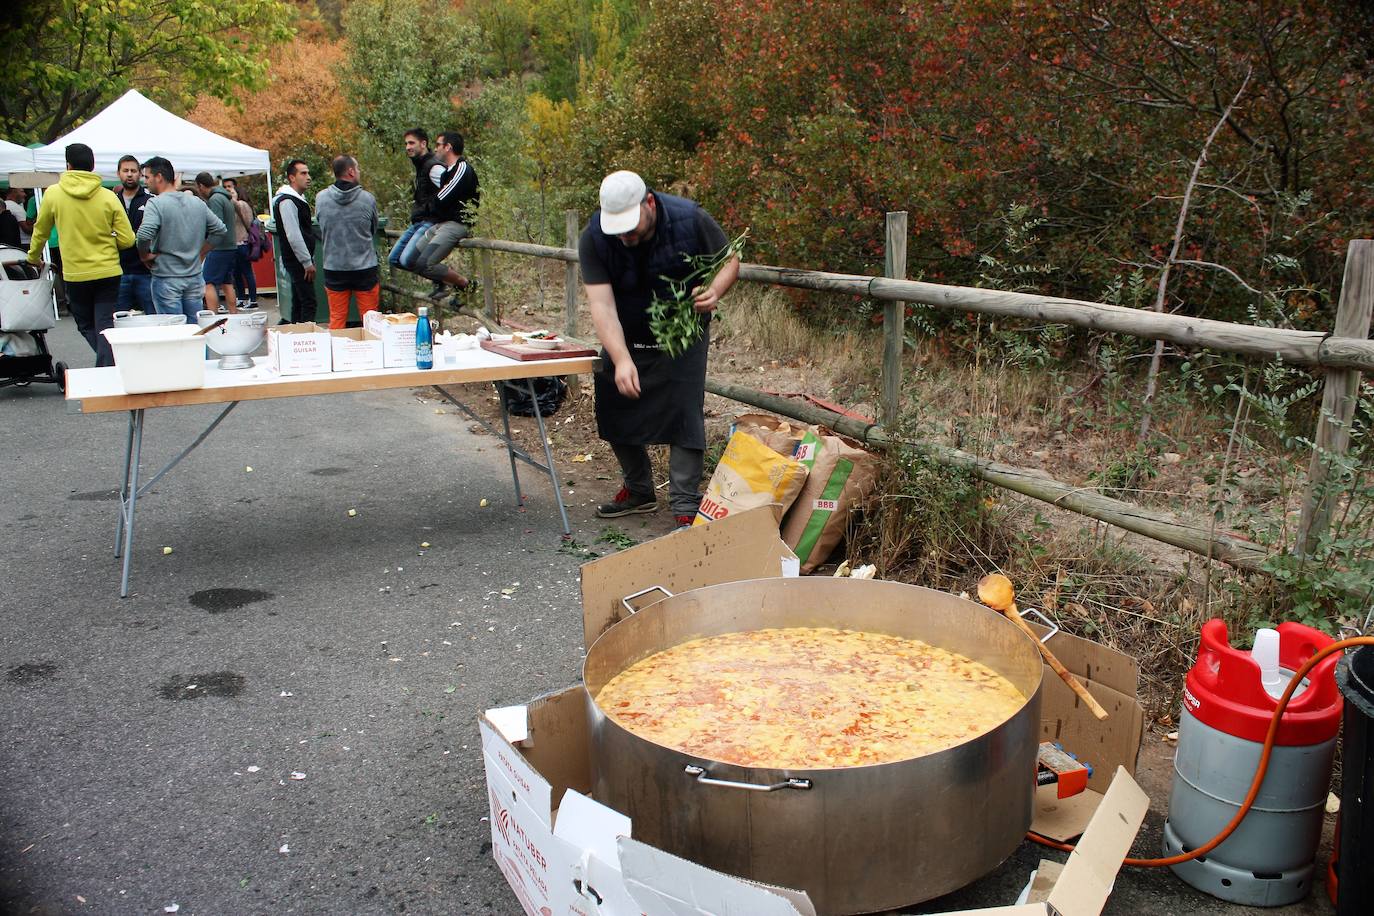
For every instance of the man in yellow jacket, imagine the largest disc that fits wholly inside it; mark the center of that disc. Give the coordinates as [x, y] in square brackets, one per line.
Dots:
[93, 227]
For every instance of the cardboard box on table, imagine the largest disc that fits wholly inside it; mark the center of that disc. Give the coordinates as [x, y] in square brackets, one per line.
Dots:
[398, 339]
[354, 349]
[299, 349]
[564, 853]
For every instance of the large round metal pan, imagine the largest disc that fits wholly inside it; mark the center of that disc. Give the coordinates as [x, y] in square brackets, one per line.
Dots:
[856, 839]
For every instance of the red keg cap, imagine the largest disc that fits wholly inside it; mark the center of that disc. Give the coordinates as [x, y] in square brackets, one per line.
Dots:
[1223, 688]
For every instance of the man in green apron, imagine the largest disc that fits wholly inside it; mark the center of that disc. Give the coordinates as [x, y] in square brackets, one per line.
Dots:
[630, 250]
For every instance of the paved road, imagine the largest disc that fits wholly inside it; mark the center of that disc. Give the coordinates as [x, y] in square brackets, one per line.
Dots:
[280, 718]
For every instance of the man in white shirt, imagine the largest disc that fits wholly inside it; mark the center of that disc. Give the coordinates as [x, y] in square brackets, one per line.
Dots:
[14, 202]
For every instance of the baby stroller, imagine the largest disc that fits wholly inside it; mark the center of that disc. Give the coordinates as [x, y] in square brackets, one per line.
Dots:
[25, 313]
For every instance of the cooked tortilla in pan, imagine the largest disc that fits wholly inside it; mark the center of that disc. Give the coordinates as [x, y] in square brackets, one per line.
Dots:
[808, 698]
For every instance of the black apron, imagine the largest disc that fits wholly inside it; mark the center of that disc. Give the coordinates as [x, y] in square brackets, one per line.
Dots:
[671, 403]
[670, 406]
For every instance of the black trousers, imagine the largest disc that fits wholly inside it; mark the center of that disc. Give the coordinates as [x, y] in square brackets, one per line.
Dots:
[303, 304]
[92, 304]
[685, 467]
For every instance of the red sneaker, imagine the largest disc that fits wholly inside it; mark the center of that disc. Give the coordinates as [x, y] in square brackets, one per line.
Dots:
[684, 521]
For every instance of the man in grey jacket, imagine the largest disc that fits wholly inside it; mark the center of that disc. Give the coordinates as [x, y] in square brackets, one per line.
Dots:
[219, 262]
[348, 223]
[177, 231]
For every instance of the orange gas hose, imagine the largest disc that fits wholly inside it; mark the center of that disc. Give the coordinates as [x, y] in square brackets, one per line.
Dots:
[1260, 770]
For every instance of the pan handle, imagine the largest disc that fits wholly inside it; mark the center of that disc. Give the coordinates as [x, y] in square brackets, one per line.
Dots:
[1054, 627]
[631, 609]
[703, 779]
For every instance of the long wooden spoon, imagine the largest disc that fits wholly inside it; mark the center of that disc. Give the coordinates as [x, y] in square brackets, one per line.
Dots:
[996, 592]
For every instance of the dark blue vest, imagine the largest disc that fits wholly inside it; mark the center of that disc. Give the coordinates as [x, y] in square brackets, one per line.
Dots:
[637, 273]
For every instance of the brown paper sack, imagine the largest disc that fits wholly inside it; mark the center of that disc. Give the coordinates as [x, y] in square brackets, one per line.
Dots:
[842, 476]
[774, 432]
[750, 474]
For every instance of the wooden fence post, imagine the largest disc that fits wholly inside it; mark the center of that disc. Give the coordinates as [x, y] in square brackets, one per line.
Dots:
[488, 280]
[571, 231]
[894, 317]
[1339, 396]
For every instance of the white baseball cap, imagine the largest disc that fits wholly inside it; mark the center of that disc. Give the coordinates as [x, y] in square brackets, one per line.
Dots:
[621, 194]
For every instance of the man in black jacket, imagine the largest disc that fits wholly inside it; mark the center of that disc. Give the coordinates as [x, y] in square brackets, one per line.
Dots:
[136, 286]
[9, 228]
[631, 252]
[291, 214]
[428, 171]
[454, 209]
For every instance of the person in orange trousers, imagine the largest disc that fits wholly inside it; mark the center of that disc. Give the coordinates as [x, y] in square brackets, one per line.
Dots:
[368, 301]
[348, 224]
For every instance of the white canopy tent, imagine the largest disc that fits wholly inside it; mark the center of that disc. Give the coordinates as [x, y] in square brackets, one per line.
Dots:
[133, 125]
[15, 158]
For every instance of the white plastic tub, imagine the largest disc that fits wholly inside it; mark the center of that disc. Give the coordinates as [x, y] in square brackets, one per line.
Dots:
[158, 359]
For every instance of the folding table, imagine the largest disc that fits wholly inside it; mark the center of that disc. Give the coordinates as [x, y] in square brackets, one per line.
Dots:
[101, 391]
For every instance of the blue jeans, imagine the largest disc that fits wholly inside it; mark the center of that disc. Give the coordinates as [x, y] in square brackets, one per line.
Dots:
[407, 247]
[245, 284]
[179, 296]
[135, 292]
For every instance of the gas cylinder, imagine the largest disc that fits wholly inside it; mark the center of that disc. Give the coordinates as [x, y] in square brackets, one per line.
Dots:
[1229, 698]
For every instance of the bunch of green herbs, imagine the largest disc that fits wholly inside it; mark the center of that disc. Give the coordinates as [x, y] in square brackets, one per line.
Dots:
[675, 324]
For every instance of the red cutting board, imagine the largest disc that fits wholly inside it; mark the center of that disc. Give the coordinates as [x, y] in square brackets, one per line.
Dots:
[523, 353]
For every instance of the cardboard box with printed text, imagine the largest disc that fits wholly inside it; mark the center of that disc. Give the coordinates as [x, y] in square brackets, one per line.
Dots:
[398, 338]
[299, 349]
[354, 349]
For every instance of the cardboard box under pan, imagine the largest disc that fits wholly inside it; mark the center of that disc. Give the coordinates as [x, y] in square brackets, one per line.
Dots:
[564, 853]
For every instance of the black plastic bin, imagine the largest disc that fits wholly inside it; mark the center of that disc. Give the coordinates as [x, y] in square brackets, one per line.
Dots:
[1355, 868]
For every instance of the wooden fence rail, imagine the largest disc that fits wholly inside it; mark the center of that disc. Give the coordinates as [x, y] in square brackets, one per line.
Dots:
[1301, 348]
[1344, 353]
[1199, 539]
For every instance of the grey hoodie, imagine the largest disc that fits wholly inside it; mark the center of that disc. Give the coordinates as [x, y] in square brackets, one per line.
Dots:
[222, 205]
[348, 224]
[176, 225]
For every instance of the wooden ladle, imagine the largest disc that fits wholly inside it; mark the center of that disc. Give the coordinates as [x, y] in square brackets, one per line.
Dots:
[996, 592]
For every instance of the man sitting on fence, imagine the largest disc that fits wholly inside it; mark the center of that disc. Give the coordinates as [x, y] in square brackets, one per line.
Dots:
[454, 208]
[428, 173]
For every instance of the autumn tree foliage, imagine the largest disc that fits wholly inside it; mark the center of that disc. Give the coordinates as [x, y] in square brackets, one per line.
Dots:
[1134, 86]
[302, 109]
[408, 63]
[64, 60]
[807, 119]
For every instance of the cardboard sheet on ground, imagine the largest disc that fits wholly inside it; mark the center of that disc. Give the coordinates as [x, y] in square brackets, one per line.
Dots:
[665, 885]
[1085, 883]
[1046, 876]
[1063, 819]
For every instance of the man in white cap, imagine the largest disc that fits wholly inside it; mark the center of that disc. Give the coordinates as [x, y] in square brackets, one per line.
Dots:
[630, 250]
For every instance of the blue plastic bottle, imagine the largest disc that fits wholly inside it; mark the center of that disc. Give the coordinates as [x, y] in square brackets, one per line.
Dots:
[424, 341]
